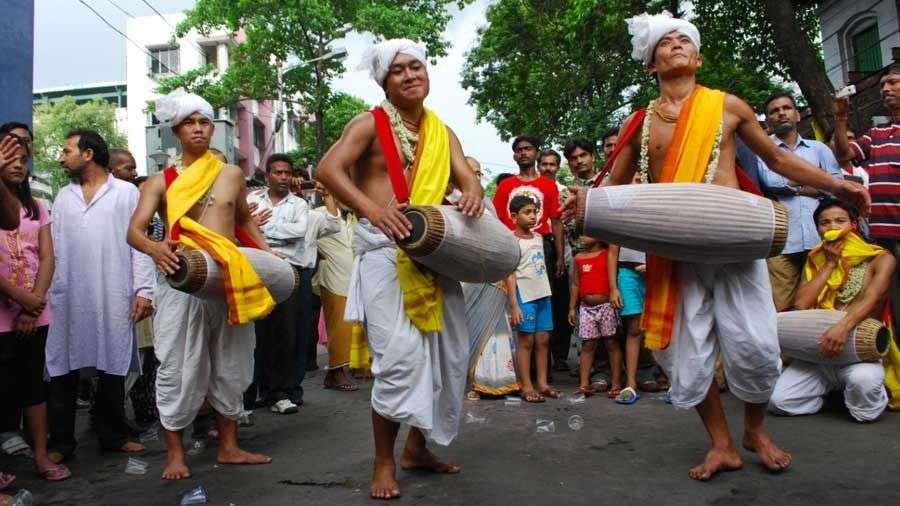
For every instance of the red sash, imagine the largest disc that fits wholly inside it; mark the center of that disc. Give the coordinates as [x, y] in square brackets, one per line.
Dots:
[391, 155]
[170, 175]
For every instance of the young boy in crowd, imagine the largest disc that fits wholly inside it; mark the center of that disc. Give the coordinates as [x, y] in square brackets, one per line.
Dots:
[531, 313]
[592, 290]
[629, 266]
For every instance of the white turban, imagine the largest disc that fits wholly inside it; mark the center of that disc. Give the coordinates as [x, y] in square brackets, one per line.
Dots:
[646, 32]
[179, 104]
[378, 58]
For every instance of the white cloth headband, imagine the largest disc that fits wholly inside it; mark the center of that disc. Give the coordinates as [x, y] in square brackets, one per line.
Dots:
[646, 31]
[378, 58]
[178, 105]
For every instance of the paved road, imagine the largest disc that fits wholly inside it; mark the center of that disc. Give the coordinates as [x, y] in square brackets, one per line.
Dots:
[623, 455]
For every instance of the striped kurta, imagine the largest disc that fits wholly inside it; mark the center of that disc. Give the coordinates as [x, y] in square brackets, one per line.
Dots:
[880, 148]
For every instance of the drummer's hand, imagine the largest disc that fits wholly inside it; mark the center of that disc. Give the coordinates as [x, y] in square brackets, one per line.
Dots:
[470, 205]
[141, 308]
[163, 255]
[833, 341]
[390, 220]
[568, 210]
[854, 194]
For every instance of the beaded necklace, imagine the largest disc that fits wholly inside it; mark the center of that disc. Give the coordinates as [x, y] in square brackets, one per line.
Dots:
[644, 162]
[408, 138]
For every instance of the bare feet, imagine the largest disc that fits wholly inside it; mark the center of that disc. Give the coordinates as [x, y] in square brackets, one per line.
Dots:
[384, 485]
[425, 460]
[771, 456]
[716, 461]
[175, 468]
[131, 447]
[238, 456]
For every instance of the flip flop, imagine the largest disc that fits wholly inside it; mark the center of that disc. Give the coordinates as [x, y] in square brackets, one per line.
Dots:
[58, 472]
[472, 395]
[587, 391]
[601, 385]
[6, 480]
[551, 393]
[612, 393]
[627, 396]
[533, 397]
[343, 387]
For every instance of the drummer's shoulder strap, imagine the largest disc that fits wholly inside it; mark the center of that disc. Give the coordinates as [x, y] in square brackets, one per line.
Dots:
[170, 175]
[629, 131]
[391, 154]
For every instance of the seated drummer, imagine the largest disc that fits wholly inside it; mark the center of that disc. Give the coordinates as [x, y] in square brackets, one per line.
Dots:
[861, 291]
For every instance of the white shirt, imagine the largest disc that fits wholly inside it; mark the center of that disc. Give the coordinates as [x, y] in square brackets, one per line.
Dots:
[321, 224]
[531, 275]
[96, 279]
[285, 232]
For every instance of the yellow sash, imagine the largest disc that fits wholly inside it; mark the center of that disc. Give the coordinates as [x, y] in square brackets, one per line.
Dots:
[422, 298]
[248, 299]
[686, 162]
[856, 251]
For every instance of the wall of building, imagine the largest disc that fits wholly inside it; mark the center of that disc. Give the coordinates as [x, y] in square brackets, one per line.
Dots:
[16, 60]
[839, 18]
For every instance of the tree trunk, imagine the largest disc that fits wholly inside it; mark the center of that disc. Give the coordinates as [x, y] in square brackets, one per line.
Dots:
[802, 61]
[320, 134]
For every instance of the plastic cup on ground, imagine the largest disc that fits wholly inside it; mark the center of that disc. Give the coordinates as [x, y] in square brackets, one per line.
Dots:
[195, 496]
[576, 422]
[136, 466]
[544, 426]
[473, 418]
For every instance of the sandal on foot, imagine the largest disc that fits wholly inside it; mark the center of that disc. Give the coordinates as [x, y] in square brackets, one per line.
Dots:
[613, 392]
[551, 393]
[343, 387]
[58, 472]
[628, 396]
[472, 395]
[533, 397]
[601, 385]
[586, 391]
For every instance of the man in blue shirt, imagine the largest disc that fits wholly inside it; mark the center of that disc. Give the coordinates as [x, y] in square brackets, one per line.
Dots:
[800, 201]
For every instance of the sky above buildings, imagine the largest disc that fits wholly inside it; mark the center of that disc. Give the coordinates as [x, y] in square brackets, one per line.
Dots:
[74, 47]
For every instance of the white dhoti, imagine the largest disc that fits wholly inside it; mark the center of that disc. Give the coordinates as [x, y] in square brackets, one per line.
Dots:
[802, 386]
[420, 378]
[725, 309]
[200, 357]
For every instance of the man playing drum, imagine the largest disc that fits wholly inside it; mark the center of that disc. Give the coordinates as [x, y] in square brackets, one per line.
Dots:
[205, 347]
[694, 311]
[844, 273]
[415, 320]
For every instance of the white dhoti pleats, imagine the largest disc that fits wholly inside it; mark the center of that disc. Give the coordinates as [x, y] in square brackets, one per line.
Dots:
[420, 378]
[201, 357]
[802, 386]
[725, 309]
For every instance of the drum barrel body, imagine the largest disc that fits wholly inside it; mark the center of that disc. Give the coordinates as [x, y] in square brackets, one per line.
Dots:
[199, 275]
[459, 247]
[799, 334]
[698, 223]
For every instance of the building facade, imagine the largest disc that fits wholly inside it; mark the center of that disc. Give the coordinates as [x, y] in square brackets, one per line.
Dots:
[246, 132]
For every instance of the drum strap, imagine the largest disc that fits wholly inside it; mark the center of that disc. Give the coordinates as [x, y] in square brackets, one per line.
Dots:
[391, 155]
[170, 175]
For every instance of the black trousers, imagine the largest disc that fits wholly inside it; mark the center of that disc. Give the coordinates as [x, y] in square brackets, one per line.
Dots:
[112, 427]
[561, 337]
[22, 374]
[275, 370]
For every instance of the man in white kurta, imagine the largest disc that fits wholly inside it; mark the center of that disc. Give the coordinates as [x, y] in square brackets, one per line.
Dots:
[100, 288]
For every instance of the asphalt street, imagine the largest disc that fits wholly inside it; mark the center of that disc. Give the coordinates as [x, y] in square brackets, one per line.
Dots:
[636, 454]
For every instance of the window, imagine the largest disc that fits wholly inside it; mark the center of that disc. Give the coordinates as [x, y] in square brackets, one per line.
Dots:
[866, 49]
[164, 60]
[211, 55]
[259, 134]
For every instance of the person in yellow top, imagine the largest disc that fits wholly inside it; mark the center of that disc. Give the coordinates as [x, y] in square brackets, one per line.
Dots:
[205, 347]
[401, 153]
[694, 311]
[844, 273]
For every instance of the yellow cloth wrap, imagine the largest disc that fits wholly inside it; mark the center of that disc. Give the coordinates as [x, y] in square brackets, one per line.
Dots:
[687, 160]
[360, 359]
[855, 251]
[422, 299]
[248, 299]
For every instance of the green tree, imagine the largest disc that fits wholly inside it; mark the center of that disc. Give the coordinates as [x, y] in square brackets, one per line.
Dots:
[273, 30]
[53, 121]
[558, 68]
[341, 109]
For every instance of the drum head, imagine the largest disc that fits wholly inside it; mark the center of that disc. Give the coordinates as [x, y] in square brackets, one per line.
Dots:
[419, 226]
[882, 340]
[179, 276]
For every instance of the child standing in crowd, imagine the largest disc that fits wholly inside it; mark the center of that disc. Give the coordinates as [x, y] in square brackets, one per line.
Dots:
[628, 268]
[26, 269]
[529, 293]
[592, 289]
